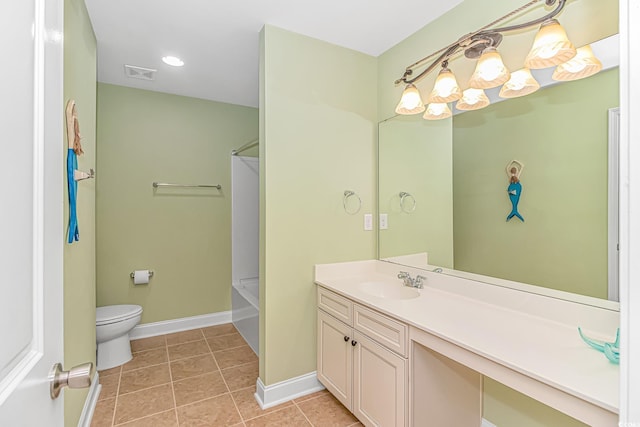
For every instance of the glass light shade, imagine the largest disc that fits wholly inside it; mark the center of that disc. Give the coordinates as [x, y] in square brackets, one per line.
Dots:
[490, 70]
[550, 47]
[521, 83]
[472, 99]
[437, 111]
[411, 102]
[584, 64]
[446, 88]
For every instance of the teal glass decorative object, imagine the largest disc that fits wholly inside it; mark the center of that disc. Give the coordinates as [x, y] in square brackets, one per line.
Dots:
[612, 353]
[610, 349]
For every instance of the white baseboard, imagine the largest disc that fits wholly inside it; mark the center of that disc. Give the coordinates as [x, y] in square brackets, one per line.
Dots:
[275, 394]
[178, 325]
[90, 403]
[486, 423]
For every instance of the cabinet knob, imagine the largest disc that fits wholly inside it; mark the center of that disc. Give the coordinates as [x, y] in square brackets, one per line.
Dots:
[346, 338]
[354, 342]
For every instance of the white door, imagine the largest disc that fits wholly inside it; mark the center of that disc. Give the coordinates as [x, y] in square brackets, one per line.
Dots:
[31, 223]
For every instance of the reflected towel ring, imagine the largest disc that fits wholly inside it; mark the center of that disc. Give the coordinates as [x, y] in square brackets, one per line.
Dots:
[347, 194]
[403, 196]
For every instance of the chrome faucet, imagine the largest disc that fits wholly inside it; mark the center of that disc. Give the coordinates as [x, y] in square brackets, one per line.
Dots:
[418, 282]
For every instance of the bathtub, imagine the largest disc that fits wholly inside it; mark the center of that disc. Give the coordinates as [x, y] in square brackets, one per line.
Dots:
[245, 310]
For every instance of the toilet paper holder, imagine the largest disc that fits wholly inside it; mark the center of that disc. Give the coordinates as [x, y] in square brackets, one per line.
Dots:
[132, 275]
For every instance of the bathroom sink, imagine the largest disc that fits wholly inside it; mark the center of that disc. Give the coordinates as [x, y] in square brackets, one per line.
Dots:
[388, 290]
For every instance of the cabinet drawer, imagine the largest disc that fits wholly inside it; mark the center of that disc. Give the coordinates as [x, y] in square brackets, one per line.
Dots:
[338, 306]
[384, 330]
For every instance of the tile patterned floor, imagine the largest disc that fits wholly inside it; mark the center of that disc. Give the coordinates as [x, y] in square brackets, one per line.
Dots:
[202, 377]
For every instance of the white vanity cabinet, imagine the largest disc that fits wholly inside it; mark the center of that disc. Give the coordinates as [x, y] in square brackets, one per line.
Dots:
[422, 357]
[362, 360]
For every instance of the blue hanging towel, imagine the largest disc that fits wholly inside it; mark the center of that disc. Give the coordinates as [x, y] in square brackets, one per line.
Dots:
[72, 165]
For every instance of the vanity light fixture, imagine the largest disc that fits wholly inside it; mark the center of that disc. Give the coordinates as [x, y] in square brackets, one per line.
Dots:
[410, 102]
[584, 64]
[446, 88]
[472, 99]
[551, 47]
[437, 111]
[521, 83]
[174, 61]
[490, 70]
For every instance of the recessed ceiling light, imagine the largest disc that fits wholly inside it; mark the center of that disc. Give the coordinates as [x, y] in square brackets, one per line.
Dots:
[173, 61]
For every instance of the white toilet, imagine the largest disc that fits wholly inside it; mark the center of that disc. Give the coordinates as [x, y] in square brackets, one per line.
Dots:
[113, 324]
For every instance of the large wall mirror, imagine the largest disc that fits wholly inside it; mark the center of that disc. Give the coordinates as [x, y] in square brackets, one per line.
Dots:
[443, 191]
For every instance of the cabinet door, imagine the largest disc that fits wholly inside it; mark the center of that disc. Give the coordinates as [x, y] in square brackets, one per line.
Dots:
[335, 359]
[380, 384]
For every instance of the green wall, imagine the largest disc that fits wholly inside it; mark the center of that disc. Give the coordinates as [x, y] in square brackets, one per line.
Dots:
[80, 257]
[414, 156]
[183, 235]
[560, 134]
[506, 407]
[602, 19]
[318, 133]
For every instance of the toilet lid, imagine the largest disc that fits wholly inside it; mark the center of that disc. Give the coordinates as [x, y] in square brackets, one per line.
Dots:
[116, 313]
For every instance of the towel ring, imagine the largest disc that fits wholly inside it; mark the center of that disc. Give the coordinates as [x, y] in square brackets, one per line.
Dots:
[347, 194]
[403, 196]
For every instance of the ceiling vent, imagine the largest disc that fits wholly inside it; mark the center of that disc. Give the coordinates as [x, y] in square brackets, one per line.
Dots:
[140, 72]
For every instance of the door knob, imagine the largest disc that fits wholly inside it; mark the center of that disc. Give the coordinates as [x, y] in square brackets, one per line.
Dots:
[76, 377]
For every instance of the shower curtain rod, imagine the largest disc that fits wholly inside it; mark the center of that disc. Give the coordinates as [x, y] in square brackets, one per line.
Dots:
[244, 147]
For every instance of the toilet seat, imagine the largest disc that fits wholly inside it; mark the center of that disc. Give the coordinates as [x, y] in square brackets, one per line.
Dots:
[116, 313]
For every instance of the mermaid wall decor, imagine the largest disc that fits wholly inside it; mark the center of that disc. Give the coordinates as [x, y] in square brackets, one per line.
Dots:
[73, 174]
[514, 169]
[74, 150]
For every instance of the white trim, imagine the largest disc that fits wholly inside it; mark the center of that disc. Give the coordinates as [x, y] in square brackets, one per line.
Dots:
[39, 197]
[486, 423]
[284, 391]
[613, 292]
[629, 213]
[90, 403]
[178, 325]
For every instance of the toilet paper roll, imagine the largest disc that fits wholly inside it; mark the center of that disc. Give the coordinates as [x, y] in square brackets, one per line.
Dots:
[141, 277]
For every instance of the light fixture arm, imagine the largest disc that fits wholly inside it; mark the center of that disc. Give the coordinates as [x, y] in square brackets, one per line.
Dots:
[550, 15]
[474, 43]
[443, 57]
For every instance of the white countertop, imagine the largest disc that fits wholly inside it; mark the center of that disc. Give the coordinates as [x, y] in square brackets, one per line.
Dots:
[532, 334]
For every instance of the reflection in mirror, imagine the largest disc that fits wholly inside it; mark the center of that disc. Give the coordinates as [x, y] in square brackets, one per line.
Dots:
[560, 134]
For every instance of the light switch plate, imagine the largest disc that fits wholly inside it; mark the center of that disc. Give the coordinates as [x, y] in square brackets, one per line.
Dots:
[384, 222]
[368, 222]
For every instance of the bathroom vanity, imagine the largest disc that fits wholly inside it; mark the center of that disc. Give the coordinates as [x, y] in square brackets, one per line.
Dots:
[400, 356]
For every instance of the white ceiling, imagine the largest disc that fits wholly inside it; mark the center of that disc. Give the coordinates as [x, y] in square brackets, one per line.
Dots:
[218, 40]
